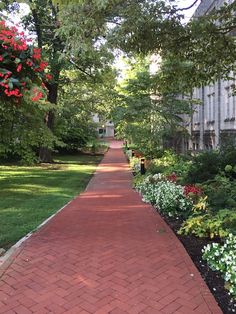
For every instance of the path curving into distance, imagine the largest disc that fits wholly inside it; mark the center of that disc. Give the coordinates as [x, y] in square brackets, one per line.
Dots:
[105, 252]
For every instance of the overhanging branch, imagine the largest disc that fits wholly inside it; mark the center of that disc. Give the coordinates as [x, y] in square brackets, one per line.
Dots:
[80, 69]
[189, 7]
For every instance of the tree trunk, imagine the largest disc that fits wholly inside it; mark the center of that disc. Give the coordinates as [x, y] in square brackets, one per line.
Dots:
[45, 153]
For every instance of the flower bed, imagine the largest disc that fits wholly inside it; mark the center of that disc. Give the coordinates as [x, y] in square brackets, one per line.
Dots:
[165, 195]
[200, 221]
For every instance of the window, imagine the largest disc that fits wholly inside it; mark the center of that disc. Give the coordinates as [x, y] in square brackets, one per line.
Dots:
[210, 104]
[233, 101]
[230, 103]
[234, 107]
[227, 102]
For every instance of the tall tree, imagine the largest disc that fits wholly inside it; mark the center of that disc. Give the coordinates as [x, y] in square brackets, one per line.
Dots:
[89, 57]
[158, 27]
[42, 21]
[148, 106]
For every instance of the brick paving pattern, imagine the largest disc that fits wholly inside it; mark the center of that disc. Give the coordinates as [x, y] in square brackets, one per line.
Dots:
[106, 252]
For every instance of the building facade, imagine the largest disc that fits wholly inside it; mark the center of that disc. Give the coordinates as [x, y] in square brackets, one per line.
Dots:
[105, 128]
[214, 117]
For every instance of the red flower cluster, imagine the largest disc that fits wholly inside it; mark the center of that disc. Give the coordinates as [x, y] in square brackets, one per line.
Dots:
[36, 54]
[19, 72]
[192, 190]
[41, 66]
[172, 177]
[37, 95]
[11, 37]
[15, 92]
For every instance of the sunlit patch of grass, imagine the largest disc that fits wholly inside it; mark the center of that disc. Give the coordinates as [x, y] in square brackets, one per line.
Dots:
[28, 195]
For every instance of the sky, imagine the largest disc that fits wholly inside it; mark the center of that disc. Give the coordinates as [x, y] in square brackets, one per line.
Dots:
[185, 4]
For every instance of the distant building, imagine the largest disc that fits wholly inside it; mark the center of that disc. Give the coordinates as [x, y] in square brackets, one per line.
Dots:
[105, 128]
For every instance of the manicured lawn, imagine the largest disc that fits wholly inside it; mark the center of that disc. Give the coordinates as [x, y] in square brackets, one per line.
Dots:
[28, 195]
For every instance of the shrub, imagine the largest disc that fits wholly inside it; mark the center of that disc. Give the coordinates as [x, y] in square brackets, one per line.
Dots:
[228, 168]
[221, 192]
[209, 225]
[163, 163]
[204, 167]
[171, 163]
[222, 257]
[228, 155]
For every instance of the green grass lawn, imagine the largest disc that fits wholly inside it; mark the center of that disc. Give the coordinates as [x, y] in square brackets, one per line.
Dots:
[28, 195]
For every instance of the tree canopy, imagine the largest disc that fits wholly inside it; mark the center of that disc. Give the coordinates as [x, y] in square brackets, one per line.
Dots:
[79, 40]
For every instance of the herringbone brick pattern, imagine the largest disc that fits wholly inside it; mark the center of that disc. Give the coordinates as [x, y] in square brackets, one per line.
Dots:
[106, 252]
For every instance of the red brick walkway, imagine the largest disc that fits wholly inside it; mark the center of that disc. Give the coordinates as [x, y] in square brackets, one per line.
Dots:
[106, 252]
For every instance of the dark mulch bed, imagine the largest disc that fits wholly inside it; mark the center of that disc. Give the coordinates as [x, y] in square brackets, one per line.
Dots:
[213, 279]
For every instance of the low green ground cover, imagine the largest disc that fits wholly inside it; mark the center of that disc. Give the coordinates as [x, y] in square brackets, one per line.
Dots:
[28, 195]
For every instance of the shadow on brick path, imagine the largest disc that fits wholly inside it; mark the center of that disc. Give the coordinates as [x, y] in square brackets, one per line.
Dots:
[103, 254]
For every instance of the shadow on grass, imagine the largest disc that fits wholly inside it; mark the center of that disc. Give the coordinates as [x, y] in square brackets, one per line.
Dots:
[29, 195]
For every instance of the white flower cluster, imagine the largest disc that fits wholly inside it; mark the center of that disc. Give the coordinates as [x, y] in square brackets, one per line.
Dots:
[223, 259]
[154, 178]
[167, 196]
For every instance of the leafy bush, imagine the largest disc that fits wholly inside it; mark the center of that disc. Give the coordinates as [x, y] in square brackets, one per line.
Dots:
[169, 163]
[204, 167]
[209, 225]
[19, 141]
[222, 257]
[169, 158]
[228, 155]
[221, 192]
[168, 197]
